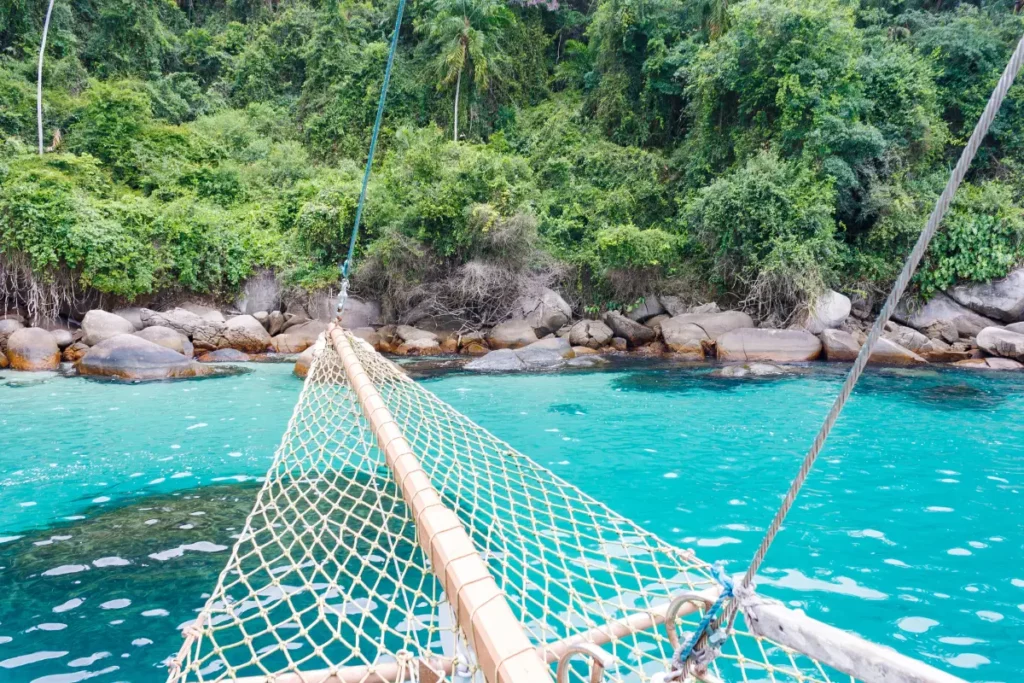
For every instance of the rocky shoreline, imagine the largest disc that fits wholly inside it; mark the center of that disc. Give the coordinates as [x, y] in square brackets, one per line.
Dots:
[976, 327]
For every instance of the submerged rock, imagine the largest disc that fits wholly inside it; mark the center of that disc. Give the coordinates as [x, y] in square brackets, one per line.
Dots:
[558, 345]
[129, 357]
[32, 349]
[750, 370]
[99, 325]
[989, 364]
[501, 360]
[754, 344]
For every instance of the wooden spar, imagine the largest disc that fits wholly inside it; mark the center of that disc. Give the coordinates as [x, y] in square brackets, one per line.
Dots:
[503, 651]
[550, 652]
[841, 650]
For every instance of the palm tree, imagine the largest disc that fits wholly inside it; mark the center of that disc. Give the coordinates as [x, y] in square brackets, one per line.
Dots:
[466, 36]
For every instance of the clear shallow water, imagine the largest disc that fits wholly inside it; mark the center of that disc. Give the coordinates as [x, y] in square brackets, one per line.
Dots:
[909, 531]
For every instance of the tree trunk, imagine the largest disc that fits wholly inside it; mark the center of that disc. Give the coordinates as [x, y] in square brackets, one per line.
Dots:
[39, 80]
[458, 85]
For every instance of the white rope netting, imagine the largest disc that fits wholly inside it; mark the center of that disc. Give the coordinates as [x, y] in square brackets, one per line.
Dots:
[329, 575]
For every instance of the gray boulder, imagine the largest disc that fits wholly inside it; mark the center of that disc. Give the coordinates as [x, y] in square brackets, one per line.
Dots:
[261, 292]
[888, 352]
[557, 345]
[368, 335]
[7, 327]
[758, 344]
[299, 338]
[590, 333]
[648, 308]
[129, 357]
[828, 311]
[540, 358]
[225, 356]
[132, 314]
[358, 313]
[941, 308]
[1016, 327]
[99, 325]
[502, 360]
[545, 311]
[244, 333]
[263, 318]
[839, 345]
[407, 334]
[511, 334]
[704, 309]
[32, 349]
[275, 322]
[168, 338]
[998, 341]
[204, 312]
[907, 337]
[633, 332]
[999, 299]
[63, 337]
[186, 322]
[673, 305]
[686, 334]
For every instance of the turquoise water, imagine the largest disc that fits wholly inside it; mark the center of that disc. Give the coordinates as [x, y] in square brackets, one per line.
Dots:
[119, 502]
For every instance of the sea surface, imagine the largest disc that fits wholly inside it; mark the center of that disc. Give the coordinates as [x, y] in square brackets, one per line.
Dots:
[120, 502]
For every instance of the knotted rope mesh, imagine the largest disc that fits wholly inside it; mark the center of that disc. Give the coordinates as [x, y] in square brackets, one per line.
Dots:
[329, 575]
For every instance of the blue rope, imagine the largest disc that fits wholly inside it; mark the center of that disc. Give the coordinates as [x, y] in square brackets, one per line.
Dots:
[373, 141]
[725, 581]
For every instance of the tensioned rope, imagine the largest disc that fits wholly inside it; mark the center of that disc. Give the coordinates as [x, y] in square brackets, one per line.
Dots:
[899, 288]
[347, 264]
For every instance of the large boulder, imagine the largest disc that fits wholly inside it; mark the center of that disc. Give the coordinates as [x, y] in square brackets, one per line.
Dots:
[839, 345]
[32, 348]
[407, 334]
[633, 332]
[545, 311]
[132, 314]
[828, 311]
[99, 325]
[168, 338]
[357, 313]
[261, 292]
[224, 356]
[998, 341]
[590, 333]
[999, 299]
[511, 334]
[129, 357]
[556, 345]
[907, 337]
[421, 346]
[939, 309]
[648, 308]
[275, 322]
[304, 362]
[757, 344]
[888, 352]
[205, 312]
[244, 333]
[205, 334]
[7, 327]
[299, 338]
[687, 333]
[673, 305]
[63, 337]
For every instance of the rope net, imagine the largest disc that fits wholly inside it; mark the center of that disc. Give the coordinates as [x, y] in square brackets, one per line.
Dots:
[328, 574]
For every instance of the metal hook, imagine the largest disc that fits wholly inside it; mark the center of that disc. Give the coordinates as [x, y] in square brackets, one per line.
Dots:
[672, 613]
[601, 661]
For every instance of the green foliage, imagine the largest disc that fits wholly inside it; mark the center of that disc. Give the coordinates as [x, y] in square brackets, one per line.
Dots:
[982, 238]
[763, 148]
[768, 232]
